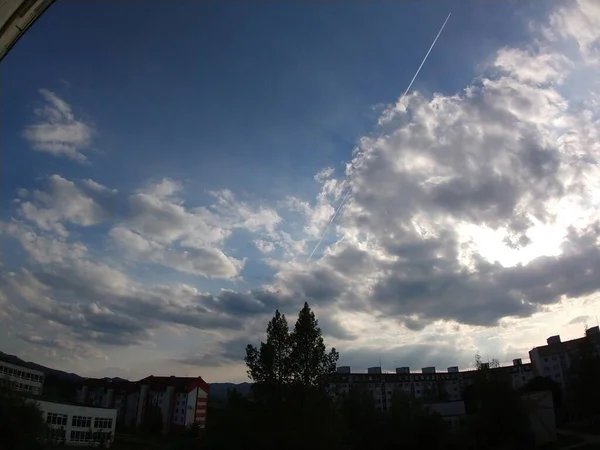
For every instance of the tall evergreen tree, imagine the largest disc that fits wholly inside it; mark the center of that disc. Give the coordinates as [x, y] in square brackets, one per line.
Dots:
[311, 363]
[271, 364]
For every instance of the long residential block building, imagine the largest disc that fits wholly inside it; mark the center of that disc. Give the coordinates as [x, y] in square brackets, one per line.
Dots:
[182, 401]
[429, 385]
[552, 361]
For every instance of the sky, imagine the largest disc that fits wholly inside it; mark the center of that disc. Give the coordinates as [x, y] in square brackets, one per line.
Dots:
[168, 170]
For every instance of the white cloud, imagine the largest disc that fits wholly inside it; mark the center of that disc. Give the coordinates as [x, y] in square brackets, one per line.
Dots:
[324, 174]
[63, 202]
[534, 68]
[264, 246]
[42, 248]
[165, 189]
[578, 20]
[208, 262]
[58, 132]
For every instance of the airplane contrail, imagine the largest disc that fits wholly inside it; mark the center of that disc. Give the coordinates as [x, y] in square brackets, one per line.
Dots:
[380, 134]
[425, 59]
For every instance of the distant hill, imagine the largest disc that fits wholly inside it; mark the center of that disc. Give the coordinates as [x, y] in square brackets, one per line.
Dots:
[218, 391]
[12, 359]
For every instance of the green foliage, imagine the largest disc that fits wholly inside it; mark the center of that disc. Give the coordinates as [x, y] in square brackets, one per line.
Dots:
[22, 426]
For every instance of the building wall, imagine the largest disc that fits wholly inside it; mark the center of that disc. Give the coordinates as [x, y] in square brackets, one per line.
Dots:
[79, 422]
[419, 385]
[191, 406]
[540, 409]
[21, 378]
[180, 409]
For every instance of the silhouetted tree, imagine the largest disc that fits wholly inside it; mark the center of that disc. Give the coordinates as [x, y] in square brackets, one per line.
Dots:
[271, 364]
[21, 422]
[298, 358]
[497, 415]
[290, 370]
[311, 364]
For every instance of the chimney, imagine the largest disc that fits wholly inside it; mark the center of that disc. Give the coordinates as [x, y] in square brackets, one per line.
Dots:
[428, 369]
[403, 370]
[553, 340]
[592, 331]
[517, 362]
[453, 369]
[375, 369]
[343, 369]
[485, 366]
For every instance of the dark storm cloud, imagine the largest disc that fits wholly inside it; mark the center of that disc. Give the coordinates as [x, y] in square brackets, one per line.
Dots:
[226, 352]
[331, 327]
[108, 315]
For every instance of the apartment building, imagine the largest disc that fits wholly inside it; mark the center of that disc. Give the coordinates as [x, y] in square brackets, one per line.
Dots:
[428, 385]
[554, 359]
[182, 401]
[21, 378]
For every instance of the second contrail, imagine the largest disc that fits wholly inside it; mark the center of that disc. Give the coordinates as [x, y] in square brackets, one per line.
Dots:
[341, 205]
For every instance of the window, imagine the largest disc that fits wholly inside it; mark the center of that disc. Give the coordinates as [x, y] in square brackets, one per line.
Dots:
[81, 421]
[56, 419]
[56, 434]
[102, 422]
[81, 436]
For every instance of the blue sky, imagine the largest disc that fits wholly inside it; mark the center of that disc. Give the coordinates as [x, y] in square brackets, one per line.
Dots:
[203, 127]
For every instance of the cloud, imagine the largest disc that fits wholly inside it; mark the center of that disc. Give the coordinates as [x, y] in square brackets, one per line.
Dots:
[58, 132]
[324, 174]
[65, 201]
[43, 248]
[207, 262]
[578, 21]
[473, 211]
[92, 302]
[579, 319]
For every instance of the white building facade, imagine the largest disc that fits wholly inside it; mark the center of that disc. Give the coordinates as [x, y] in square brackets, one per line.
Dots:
[79, 425]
